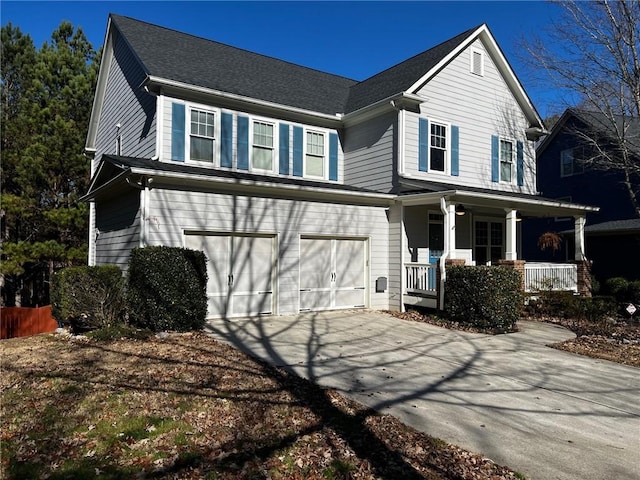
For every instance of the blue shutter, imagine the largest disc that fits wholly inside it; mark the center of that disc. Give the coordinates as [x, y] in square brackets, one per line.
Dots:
[226, 141]
[177, 132]
[423, 145]
[297, 151]
[520, 163]
[495, 158]
[284, 149]
[455, 150]
[333, 156]
[243, 143]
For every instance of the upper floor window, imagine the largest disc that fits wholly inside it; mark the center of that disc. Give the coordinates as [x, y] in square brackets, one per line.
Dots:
[506, 161]
[314, 159]
[438, 147]
[262, 145]
[569, 164]
[201, 135]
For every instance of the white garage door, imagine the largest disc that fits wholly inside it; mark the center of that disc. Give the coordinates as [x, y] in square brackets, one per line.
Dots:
[240, 269]
[332, 273]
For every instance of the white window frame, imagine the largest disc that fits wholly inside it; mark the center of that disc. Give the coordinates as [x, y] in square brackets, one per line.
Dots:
[572, 153]
[215, 138]
[472, 56]
[273, 148]
[511, 161]
[447, 149]
[325, 154]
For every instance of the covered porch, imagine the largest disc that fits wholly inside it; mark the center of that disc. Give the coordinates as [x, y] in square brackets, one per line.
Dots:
[458, 227]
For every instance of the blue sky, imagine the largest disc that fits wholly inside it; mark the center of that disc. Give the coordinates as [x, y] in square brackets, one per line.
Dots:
[353, 39]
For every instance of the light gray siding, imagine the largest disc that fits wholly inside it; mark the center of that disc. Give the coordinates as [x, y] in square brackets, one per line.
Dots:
[481, 106]
[126, 104]
[396, 268]
[370, 153]
[172, 212]
[118, 228]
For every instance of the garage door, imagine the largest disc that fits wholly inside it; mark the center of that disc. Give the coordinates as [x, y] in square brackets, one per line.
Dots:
[240, 269]
[332, 273]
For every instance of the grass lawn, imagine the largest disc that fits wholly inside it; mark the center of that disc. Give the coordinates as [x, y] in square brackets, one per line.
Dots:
[186, 406]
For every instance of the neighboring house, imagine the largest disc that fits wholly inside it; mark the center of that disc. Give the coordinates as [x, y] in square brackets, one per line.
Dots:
[307, 190]
[564, 172]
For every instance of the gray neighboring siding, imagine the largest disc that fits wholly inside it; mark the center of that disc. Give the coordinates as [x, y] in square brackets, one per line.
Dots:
[125, 103]
[369, 153]
[118, 224]
[481, 106]
[174, 211]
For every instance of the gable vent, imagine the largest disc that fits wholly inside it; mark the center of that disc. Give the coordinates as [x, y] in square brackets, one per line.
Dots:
[477, 62]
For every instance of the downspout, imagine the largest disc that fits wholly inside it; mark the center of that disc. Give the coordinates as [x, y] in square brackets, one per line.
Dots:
[445, 253]
[401, 127]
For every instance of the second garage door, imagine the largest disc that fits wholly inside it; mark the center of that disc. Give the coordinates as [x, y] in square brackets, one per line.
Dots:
[333, 273]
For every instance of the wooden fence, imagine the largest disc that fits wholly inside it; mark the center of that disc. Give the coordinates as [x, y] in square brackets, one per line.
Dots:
[21, 321]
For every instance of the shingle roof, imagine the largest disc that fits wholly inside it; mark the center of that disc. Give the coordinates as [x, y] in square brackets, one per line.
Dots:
[192, 60]
[401, 76]
[602, 123]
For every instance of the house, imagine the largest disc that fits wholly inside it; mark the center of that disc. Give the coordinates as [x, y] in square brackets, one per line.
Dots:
[567, 169]
[307, 190]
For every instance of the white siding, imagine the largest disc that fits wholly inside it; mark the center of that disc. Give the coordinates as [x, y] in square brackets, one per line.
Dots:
[118, 228]
[481, 106]
[370, 153]
[125, 103]
[171, 212]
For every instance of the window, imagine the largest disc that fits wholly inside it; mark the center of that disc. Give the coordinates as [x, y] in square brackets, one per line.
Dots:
[262, 146]
[477, 62]
[201, 136]
[489, 242]
[438, 147]
[314, 159]
[506, 161]
[569, 164]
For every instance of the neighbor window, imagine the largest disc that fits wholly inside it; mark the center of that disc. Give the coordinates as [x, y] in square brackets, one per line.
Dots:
[438, 150]
[569, 164]
[314, 160]
[262, 146]
[201, 135]
[506, 161]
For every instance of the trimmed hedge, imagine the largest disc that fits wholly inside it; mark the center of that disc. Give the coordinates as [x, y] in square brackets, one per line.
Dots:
[88, 298]
[484, 297]
[167, 288]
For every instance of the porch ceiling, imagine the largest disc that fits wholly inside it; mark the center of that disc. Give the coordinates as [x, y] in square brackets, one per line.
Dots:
[527, 205]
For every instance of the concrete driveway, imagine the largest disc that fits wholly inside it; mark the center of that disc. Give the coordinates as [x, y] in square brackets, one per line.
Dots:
[545, 413]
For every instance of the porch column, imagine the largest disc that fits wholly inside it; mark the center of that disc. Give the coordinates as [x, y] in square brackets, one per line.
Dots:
[579, 237]
[511, 248]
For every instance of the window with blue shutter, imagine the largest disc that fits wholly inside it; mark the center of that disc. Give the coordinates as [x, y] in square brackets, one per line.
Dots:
[226, 141]
[243, 143]
[423, 145]
[455, 150]
[520, 163]
[284, 149]
[297, 151]
[495, 158]
[333, 156]
[177, 132]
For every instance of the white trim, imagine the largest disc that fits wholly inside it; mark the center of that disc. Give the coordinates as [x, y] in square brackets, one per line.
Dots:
[514, 167]
[274, 147]
[325, 153]
[160, 108]
[215, 160]
[91, 254]
[447, 152]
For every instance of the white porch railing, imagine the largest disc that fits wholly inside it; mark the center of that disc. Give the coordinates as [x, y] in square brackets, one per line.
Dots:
[420, 277]
[550, 276]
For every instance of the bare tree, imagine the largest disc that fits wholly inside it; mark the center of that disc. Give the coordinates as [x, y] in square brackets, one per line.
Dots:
[592, 52]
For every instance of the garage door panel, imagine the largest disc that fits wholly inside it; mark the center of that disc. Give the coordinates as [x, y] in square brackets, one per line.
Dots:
[315, 265]
[350, 297]
[350, 263]
[252, 264]
[315, 299]
[252, 303]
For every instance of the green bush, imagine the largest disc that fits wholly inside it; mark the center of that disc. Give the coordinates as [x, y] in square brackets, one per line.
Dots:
[558, 304]
[167, 288]
[618, 287]
[118, 332]
[485, 297]
[87, 298]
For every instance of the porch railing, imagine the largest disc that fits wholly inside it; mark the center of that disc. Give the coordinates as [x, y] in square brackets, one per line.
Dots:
[550, 276]
[420, 277]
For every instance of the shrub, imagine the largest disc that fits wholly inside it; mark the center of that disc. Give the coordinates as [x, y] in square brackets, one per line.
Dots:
[87, 298]
[558, 304]
[167, 288]
[618, 287]
[118, 332]
[485, 297]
